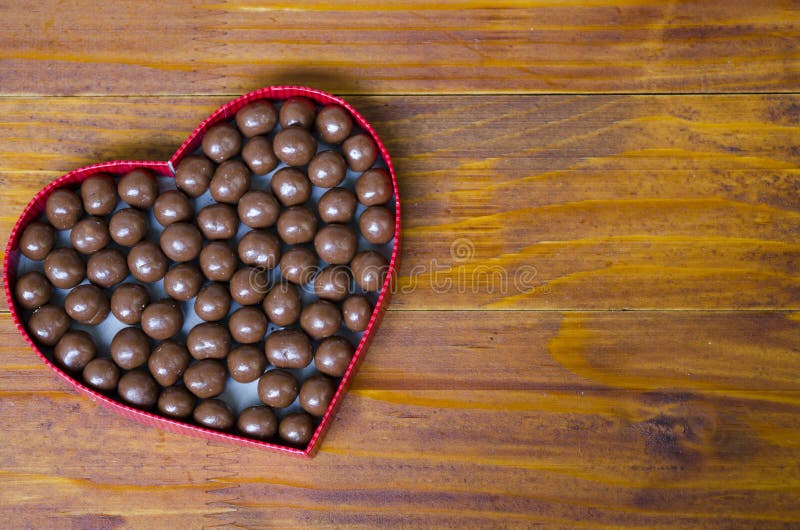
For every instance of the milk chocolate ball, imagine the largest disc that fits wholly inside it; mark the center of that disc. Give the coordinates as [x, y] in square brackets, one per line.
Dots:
[64, 268]
[298, 265]
[213, 302]
[32, 290]
[37, 240]
[130, 348]
[127, 227]
[183, 281]
[320, 319]
[74, 350]
[101, 374]
[138, 188]
[277, 388]
[288, 348]
[218, 221]
[246, 363]
[333, 356]
[297, 112]
[173, 206]
[377, 225]
[99, 194]
[128, 302]
[162, 319]
[334, 124]
[296, 428]
[231, 181]
[221, 142]
[181, 242]
[291, 186]
[248, 325]
[294, 146]
[316, 394]
[360, 152]
[374, 187]
[138, 388]
[218, 261]
[258, 209]
[356, 312]
[87, 304]
[146, 262]
[260, 248]
[168, 361]
[176, 402]
[259, 155]
[194, 174]
[63, 209]
[296, 225]
[107, 267]
[89, 235]
[337, 205]
[258, 117]
[282, 304]
[369, 270]
[332, 283]
[209, 340]
[258, 422]
[336, 244]
[206, 378]
[214, 414]
[249, 285]
[327, 169]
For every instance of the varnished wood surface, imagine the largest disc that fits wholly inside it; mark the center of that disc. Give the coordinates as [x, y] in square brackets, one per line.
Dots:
[597, 317]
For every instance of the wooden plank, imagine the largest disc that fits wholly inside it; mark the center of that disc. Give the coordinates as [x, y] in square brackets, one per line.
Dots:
[456, 46]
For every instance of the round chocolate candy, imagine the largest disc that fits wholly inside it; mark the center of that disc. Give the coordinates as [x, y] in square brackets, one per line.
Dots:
[297, 224]
[259, 156]
[32, 290]
[249, 285]
[128, 302]
[337, 205]
[231, 181]
[258, 117]
[336, 244]
[74, 350]
[214, 414]
[218, 261]
[173, 206]
[333, 124]
[298, 265]
[332, 283]
[291, 186]
[209, 340]
[374, 187]
[297, 112]
[258, 209]
[138, 188]
[246, 363]
[206, 378]
[127, 227]
[360, 152]
[218, 221]
[37, 240]
[282, 304]
[138, 388]
[183, 281]
[221, 142]
[260, 248]
[101, 374]
[277, 388]
[294, 146]
[89, 235]
[320, 319]
[87, 304]
[194, 174]
[146, 262]
[288, 348]
[213, 302]
[168, 361]
[63, 209]
[327, 169]
[356, 312]
[181, 242]
[106, 267]
[296, 428]
[130, 348]
[64, 268]
[162, 319]
[333, 356]
[258, 422]
[316, 394]
[248, 325]
[369, 270]
[176, 402]
[377, 225]
[99, 194]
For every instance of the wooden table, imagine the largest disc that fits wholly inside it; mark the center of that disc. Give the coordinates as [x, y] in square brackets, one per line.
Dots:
[597, 320]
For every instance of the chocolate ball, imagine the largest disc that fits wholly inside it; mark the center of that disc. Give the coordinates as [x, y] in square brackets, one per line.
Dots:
[218, 221]
[101, 374]
[127, 227]
[168, 361]
[99, 194]
[320, 319]
[334, 124]
[258, 209]
[316, 394]
[248, 325]
[291, 186]
[130, 348]
[327, 169]
[258, 117]
[249, 285]
[64, 268]
[297, 224]
[374, 187]
[258, 422]
[259, 156]
[297, 112]
[128, 302]
[37, 240]
[231, 181]
[360, 152]
[221, 142]
[260, 248]
[213, 302]
[138, 188]
[282, 304]
[138, 388]
[214, 414]
[206, 378]
[89, 235]
[337, 205]
[246, 363]
[298, 265]
[333, 356]
[173, 206]
[296, 428]
[107, 267]
[332, 283]
[277, 388]
[209, 340]
[146, 262]
[87, 304]
[377, 225]
[176, 402]
[294, 146]
[32, 290]
[183, 281]
[63, 209]
[288, 348]
[181, 242]
[356, 312]
[218, 261]
[194, 174]
[74, 350]
[336, 244]
[369, 270]
[162, 319]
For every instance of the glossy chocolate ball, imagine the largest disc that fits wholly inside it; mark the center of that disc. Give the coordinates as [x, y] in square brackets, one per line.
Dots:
[130, 348]
[181, 242]
[168, 361]
[259, 155]
[138, 388]
[127, 227]
[74, 350]
[282, 304]
[37, 240]
[183, 281]
[214, 414]
[258, 209]
[89, 235]
[336, 244]
[258, 422]
[296, 225]
[221, 142]
[248, 325]
[218, 261]
[356, 312]
[291, 186]
[258, 117]
[334, 124]
[316, 394]
[162, 319]
[298, 265]
[360, 152]
[63, 209]
[213, 302]
[87, 304]
[327, 169]
[209, 340]
[246, 363]
[337, 205]
[99, 194]
[107, 267]
[218, 221]
[146, 262]
[206, 378]
[260, 248]
[296, 428]
[249, 285]
[231, 181]
[294, 146]
[332, 283]
[101, 374]
[64, 268]
[32, 290]
[374, 187]
[194, 174]
[138, 188]
[298, 112]
[288, 348]
[173, 206]
[333, 356]
[377, 225]
[277, 388]
[128, 302]
[320, 319]
[176, 402]
[369, 270]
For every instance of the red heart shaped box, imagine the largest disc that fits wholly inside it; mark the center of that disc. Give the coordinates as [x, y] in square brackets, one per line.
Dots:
[35, 207]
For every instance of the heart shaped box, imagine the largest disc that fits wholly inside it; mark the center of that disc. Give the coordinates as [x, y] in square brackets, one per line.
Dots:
[35, 208]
